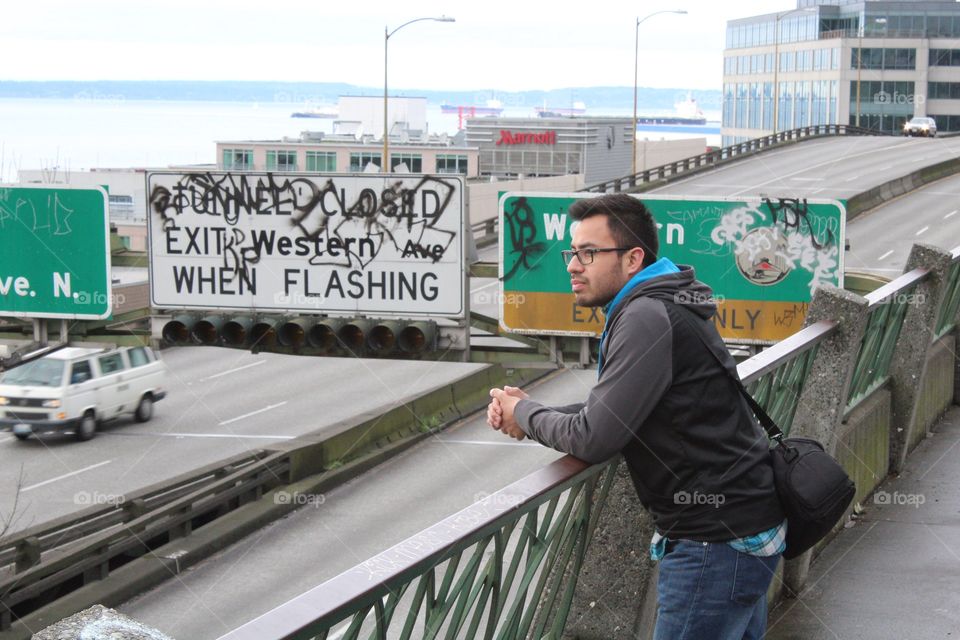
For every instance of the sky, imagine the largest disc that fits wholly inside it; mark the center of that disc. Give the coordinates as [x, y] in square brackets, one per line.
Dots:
[494, 44]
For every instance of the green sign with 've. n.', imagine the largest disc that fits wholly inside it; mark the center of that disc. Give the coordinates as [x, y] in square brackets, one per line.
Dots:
[54, 252]
[763, 258]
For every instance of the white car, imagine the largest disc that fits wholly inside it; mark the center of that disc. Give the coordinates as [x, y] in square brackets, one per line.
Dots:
[75, 388]
[920, 126]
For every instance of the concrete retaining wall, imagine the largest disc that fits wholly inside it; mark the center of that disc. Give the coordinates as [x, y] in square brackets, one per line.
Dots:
[936, 388]
[889, 190]
[864, 443]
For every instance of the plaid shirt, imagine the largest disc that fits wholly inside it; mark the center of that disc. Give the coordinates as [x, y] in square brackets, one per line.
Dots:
[764, 544]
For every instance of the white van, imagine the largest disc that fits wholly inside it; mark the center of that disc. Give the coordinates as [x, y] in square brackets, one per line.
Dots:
[74, 388]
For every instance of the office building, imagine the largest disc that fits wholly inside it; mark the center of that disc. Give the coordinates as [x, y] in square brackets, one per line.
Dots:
[874, 64]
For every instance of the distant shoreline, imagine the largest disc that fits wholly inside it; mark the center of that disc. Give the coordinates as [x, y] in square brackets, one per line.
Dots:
[318, 93]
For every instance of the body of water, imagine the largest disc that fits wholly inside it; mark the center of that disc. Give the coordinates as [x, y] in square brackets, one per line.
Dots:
[108, 131]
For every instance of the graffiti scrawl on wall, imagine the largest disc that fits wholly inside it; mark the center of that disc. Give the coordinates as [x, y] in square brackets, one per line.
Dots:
[336, 243]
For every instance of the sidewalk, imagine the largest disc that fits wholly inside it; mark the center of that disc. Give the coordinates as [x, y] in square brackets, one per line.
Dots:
[896, 573]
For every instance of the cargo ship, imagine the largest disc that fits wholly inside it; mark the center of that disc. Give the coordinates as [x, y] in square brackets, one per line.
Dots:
[492, 108]
[578, 109]
[687, 113]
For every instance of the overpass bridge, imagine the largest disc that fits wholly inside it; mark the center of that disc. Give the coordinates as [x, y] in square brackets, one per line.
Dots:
[519, 461]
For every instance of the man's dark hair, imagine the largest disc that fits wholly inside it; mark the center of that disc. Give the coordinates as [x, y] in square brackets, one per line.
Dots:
[629, 221]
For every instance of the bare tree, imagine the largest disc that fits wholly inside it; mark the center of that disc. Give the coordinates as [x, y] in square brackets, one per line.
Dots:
[9, 519]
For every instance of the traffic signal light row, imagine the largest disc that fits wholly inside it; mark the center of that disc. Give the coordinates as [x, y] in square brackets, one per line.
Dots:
[323, 335]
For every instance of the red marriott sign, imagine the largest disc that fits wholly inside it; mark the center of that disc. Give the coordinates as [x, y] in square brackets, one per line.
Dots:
[510, 137]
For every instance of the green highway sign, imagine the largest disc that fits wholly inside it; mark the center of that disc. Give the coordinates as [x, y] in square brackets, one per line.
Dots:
[763, 258]
[54, 252]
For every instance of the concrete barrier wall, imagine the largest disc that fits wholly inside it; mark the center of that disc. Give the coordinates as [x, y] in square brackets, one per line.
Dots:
[936, 388]
[890, 190]
[864, 443]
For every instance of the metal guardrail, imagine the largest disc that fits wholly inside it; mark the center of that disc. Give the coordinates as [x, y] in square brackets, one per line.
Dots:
[485, 232]
[723, 155]
[91, 556]
[28, 547]
[886, 310]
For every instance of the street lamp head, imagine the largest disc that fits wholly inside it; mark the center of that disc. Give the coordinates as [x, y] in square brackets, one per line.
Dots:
[385, 160]
[656, 13]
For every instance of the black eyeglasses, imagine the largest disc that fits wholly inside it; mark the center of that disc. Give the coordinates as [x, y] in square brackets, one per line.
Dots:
[585, 256]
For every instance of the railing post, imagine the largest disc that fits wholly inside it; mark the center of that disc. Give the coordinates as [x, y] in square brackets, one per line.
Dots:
[909, 364]
[28, 553]
[134, 509]
[824, 398]
[615, 596]
[99, 571]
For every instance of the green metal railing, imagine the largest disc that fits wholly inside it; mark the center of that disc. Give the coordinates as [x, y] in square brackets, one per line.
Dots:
[775, 377]
[503, 568]
[946, 321]
[885, 313]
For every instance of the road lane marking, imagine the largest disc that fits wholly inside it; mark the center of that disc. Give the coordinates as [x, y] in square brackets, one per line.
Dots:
[200, 435]
[949, 214]
[885, 255]
[490, 443]
[851, 179]
[253, 413]
[229, 371]
[922, 230]
[807, 179]
[67, 475]
[832, 161]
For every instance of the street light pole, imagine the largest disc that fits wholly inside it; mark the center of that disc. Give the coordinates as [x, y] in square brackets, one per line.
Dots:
[385, 161]
[863, 27]
[776, 73]
[776, 62]
[636, 66]
[859, 66]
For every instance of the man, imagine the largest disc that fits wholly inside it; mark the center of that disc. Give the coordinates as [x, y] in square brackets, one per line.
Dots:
[697, 458]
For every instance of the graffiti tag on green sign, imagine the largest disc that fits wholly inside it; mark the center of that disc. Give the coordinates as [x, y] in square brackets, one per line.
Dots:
[54, 253]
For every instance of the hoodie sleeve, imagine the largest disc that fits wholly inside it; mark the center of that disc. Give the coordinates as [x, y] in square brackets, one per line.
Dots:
[637, 372]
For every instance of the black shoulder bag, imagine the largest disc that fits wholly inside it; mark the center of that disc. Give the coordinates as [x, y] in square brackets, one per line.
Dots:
[813, 488]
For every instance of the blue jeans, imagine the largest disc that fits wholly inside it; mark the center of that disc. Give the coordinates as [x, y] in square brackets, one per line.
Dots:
[709, 591]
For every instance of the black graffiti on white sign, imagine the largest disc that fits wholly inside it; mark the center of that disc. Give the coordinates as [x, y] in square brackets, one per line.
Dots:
[403, 217]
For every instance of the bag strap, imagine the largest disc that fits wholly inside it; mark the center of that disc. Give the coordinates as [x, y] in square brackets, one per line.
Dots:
[773, 431]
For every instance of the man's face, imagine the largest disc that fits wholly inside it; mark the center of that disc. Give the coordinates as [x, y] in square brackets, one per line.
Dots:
[596, 284]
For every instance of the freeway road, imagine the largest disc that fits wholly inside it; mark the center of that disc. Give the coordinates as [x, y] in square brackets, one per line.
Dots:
[880, 240]
[826, 168]
[221, 402]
